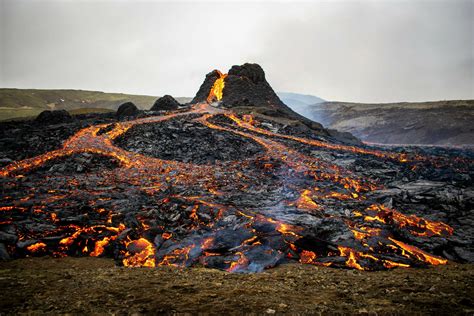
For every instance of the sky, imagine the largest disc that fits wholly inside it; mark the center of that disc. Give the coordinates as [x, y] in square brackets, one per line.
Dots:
[359, 51]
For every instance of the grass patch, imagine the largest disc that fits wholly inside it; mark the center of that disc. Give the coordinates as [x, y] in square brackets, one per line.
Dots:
[18, 114]
[89, 110]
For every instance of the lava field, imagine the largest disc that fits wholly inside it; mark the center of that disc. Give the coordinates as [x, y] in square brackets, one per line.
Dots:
[228, 188]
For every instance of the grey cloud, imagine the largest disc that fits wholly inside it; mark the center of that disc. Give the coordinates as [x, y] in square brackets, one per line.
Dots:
[369, 51]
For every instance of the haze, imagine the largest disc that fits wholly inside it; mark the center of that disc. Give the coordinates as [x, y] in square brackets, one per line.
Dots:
[361, 51]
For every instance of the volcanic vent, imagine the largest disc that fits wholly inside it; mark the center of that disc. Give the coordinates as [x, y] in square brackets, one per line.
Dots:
[236, 181]
[242, 86]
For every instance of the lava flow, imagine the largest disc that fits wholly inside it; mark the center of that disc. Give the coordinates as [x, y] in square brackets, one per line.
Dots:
[217, 89]
[265, 199]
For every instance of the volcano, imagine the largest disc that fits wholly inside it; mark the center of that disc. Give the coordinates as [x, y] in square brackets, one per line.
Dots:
[236, 181]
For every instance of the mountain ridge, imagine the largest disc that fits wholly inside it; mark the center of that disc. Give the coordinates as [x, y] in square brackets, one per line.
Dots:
[16, 103]
[292, 98]
[423, 123]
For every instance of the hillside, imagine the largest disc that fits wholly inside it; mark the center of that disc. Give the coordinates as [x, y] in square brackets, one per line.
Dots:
[292, 99]
[30, 102]
[431, 123]
[299, 103]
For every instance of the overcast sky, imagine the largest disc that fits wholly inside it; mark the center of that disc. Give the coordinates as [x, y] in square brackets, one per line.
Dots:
[362, 51]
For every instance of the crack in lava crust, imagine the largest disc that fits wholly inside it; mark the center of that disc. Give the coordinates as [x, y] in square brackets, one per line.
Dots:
[151, 212]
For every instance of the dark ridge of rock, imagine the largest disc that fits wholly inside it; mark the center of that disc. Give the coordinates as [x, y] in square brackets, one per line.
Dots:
[165, 103]
[54, 117]
[185, 141]
[203, 92]
[251, 71]
[127, 109]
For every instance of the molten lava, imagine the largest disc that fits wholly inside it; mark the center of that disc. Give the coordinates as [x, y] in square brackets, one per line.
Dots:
[141, 253]
[217, 89]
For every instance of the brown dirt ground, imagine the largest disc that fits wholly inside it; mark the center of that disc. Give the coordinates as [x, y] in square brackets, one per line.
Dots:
[92, 285]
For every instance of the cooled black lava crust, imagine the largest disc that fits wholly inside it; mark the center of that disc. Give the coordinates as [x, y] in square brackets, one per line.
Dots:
[77, 164]
[30, 138]
[186, 141]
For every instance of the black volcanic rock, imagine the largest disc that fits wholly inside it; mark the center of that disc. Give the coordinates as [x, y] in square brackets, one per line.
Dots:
[165, 103]
[246, 86]
[251, 71]
[77, 163]
[188, 142]
[127, 109]
[54, 117]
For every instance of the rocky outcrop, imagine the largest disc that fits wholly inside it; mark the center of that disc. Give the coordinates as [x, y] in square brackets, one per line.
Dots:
[165, 103]
[127, 109]
[54, 117]
[246, 86]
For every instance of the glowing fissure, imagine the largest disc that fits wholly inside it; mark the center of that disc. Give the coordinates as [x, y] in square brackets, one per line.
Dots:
[217, 89]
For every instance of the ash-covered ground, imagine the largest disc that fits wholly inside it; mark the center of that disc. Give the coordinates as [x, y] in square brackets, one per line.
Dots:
[41, 286]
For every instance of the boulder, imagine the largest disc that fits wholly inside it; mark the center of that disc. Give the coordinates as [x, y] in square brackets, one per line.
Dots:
[54, 117]
[165, 103]
[127, 109]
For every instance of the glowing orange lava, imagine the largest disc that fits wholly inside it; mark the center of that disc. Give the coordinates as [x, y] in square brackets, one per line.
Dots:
[217, 89]
[141, 253]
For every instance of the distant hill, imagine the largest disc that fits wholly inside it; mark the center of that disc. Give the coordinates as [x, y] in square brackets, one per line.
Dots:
[298, 99]
[430, 123]
[299, 102]
[30, 102]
